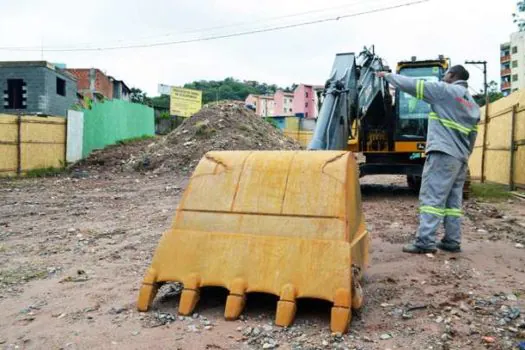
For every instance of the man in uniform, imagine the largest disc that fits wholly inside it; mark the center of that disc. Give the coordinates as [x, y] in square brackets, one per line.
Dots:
[452, 131]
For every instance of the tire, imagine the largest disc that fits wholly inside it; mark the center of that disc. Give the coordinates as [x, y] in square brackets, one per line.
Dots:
[414, 182]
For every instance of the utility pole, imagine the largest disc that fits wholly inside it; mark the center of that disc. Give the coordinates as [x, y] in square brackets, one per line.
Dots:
[485, 126]
[485, 85]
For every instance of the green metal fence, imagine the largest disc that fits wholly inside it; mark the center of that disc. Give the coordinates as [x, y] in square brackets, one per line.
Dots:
[112, 121]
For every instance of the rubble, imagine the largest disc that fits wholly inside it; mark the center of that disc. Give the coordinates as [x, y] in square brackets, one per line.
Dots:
[226, 126]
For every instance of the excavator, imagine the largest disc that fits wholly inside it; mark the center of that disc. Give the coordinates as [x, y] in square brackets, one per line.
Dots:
[360, 114]
[290, 223]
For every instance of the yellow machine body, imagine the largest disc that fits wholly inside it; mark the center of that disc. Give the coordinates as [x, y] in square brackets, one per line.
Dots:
[288, 223]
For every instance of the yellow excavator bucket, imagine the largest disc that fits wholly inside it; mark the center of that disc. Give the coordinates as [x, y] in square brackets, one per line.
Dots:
[288, 223]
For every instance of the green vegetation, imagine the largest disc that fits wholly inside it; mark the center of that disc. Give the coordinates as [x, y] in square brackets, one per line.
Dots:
[493, 92]
[272, 122]
[135, 139]
[212, 90]
[489, 191]
[44, 172]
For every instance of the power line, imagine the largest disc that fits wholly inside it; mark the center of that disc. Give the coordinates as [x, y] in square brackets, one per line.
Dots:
[222, 36]
[207, 29]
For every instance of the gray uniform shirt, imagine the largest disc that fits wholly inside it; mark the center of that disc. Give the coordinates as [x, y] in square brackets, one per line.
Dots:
[452, 124]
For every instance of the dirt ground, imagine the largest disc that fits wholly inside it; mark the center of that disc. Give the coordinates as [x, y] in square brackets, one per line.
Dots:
[73, 251]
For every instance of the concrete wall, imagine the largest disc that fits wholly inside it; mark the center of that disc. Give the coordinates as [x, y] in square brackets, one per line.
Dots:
[41, 93]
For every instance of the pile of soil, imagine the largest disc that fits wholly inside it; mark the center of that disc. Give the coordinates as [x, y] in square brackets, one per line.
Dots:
[225, 126]
[114, 158]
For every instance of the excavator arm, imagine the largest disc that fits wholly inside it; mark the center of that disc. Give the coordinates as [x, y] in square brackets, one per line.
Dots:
[349, 94]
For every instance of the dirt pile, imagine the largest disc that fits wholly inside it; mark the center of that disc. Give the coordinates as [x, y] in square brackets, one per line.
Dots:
[114, 158]
[226, 126]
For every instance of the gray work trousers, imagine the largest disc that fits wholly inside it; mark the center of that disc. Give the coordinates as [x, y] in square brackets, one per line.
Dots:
[440, 199]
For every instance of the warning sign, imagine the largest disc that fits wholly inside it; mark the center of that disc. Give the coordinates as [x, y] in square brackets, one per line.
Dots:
[185, 102]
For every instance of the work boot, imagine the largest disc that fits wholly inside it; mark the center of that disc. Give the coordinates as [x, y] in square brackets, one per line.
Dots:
[448, 246]
[414, 249]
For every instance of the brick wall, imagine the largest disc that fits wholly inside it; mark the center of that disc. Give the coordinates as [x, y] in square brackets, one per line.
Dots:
[102, 83]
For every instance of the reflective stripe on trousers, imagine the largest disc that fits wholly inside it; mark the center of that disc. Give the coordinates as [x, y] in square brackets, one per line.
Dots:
[440, 199]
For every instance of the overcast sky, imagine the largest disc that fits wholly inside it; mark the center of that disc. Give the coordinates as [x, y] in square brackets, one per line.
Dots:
[459, 29]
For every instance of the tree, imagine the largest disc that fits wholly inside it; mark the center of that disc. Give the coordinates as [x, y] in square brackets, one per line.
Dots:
[230, 89]
[136, 95]
[493, 93]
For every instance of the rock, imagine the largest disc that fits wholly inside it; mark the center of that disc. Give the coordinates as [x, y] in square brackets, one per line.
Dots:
[489, 340]
[502, 322]
[325, 343]
[482, 231]
[430, 255]
[239, 329]
[407, 316]
[193, 328]
[386, 305]
[385, 336]
[256, 331]
[513, 330]
[267, 328]
[135, 333]
[195, 315]
[71, 230]
[463, 307]
[247, 331]
[519, 246]
[208, 328]
[206, 322]
[439, 319]
[182, 318]
[512, 297]
[269, 346]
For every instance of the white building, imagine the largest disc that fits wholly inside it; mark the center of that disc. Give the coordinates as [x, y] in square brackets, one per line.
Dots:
[513, 63]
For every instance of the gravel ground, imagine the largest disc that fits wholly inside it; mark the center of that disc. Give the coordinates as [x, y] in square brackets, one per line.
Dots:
[73, 251]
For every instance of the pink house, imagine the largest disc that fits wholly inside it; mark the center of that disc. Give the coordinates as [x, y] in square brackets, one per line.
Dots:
[283, 103]
[305, 101]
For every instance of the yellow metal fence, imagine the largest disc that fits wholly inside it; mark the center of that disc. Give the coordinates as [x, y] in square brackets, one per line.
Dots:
[28, 142]
[499, 153]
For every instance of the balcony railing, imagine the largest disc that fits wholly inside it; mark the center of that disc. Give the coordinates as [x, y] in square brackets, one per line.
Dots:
[505, 86]
[506, 71]
[505, 58]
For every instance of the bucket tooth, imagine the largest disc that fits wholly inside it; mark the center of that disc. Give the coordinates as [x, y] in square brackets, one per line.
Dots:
[236, 300]
[190, 295]
[341, 313]
[148, 290]
[286, 306]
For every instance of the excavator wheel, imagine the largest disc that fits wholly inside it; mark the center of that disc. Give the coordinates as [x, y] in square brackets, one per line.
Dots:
[414, 182]
[287, 223]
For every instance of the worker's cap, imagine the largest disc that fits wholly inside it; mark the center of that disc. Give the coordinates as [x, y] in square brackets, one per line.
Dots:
[459, 72]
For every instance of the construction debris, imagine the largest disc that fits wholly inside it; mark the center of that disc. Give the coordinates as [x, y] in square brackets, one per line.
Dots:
[224, 126]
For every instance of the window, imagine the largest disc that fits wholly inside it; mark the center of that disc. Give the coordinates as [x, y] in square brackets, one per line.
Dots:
[61, 87]
[514, 49]
[514, 64]
[306, 115]
[306, 105]
[289, 110]
[515, 77]
[15, 95]
[306, 94]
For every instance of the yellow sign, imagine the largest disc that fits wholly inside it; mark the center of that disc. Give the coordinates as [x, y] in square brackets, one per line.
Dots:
[185, 102]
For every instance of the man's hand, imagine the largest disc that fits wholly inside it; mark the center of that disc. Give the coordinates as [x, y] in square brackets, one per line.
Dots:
[381, 74]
